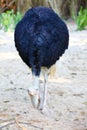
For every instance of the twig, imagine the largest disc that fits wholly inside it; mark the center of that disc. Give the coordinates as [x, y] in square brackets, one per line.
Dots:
[18, 124]
[31, 125]
[5, 124]
[3, 9]
[3, 121]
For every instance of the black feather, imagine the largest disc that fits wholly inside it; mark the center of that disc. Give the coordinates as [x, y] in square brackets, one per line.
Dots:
[41, 37]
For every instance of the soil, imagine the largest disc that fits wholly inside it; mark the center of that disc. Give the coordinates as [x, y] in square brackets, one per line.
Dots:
[67, 91]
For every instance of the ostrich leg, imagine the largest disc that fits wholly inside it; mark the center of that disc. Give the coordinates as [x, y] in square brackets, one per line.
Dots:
[33, 92]
[43, 94]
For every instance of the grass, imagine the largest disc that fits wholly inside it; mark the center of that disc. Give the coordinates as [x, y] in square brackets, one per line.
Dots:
[8, 20]
[81, 19]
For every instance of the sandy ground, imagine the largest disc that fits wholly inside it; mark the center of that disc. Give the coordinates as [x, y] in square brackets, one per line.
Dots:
[67, 93]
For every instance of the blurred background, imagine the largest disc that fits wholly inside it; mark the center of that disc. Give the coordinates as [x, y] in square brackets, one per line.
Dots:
[75, 9]
[64, 8]
[67, 89]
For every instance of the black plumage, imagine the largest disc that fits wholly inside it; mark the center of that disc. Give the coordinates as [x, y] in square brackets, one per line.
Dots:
[41, 37]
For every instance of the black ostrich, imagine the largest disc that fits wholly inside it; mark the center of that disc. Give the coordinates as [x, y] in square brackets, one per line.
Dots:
[41, 37]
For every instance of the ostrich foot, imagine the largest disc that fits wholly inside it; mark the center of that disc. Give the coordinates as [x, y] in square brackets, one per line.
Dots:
[35, 98]
[46, 111]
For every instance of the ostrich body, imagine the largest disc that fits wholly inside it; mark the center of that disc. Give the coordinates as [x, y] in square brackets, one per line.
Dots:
[41, 37]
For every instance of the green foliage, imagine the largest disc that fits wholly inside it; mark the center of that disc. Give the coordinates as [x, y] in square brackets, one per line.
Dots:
[8, 20]
[81, 19]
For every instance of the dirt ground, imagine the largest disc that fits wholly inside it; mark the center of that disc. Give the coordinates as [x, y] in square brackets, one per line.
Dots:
[67, 91]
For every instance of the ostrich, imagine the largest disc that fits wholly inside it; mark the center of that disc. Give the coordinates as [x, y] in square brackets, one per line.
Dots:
[41, 37]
